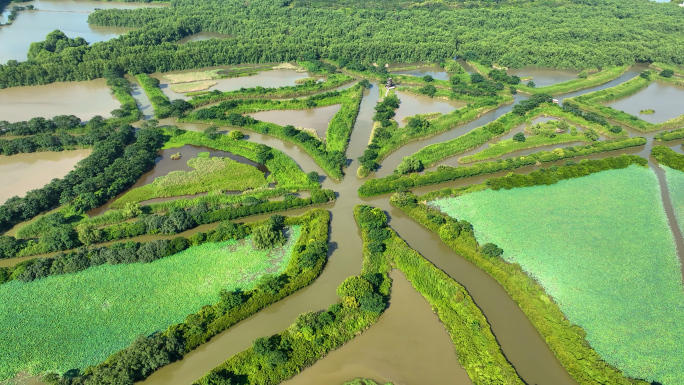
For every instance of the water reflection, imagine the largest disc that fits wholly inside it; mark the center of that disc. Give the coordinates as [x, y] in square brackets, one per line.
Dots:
[315, 118]
[667, 100]
[545, 76]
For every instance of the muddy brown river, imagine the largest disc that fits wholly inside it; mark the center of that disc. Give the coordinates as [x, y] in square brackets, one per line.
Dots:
[374, 353]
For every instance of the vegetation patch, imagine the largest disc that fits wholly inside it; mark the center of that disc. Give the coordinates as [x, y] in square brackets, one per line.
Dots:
[103, 309]
[184, 88]
[636, 328]
[210, 174]
[593, 80]
[647, 112]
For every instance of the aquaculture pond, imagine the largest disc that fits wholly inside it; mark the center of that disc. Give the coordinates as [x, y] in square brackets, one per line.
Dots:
[666, 101]
[272, 78]
[601, 247]
[316, 119]
[102, 309]
[70, 17]
[437, 73]
[544, 76]
[83, 99]
[22, 173]
[421, 104]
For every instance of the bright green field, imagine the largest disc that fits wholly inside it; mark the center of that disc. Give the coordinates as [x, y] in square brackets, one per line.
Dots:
[601, 246]
[75, 320]
[675, 184]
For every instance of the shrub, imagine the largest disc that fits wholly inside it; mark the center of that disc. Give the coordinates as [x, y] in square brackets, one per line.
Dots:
[491, 250]
[519, 137]
[667, 73]
[355, 287]
[267, 236]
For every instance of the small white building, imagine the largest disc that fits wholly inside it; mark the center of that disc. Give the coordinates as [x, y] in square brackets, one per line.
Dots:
[556, 101]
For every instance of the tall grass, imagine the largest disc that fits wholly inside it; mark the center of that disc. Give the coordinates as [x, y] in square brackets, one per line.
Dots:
[507, 146]
[601, 247]
[75, 320]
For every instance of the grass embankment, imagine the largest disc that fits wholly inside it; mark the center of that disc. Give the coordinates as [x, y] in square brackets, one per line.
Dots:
[330, 155]
[566, 340]
[160, 103]
[333, 81]
[664, 66]
[435, 153]
[104, 308]
[284, 170]
[191, 77]
[306, 261]
[210, 174]
[394, 183]
[364, 298]
[632, 273]
[592, 102]
[510, 145]
[593, 80]
[184, 88]
[670, 135]
[123, 91]
[673, 163]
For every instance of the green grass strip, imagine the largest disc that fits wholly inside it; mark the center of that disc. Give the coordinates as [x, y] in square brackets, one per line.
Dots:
[394, 183]
[567, 341]
[593, 80]
[509, 145]
[160, 103]
[664, 66]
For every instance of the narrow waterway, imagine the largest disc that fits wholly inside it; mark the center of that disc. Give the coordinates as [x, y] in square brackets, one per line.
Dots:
[408, 345]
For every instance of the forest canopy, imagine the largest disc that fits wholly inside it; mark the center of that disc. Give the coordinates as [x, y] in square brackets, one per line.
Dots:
[561, 33]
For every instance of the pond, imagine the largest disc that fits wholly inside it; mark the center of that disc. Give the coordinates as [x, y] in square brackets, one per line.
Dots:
[22, 173]
[420, 104]
[71, 17]
[666, 100]
[437, 73]
[266, 79]
[83, 99]
[315, 118]
[544, 76]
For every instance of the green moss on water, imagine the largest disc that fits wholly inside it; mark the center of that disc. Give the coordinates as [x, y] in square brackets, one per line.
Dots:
[600, 245]
[75, 320]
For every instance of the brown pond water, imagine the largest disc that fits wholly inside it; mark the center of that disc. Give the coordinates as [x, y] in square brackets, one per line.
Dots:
[71, 17]
[421, 104]
[666, 99]
[203, 36]
[408, 345]
[437, 73]
[314, 118]
[544, 76]
[164, 165]
[266, 79]
[22, 173]
[83, 99]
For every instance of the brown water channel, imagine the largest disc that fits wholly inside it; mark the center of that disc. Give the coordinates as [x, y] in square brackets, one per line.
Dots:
[315, 118]
[22, 173]
[164, 165]
[83, 99]
[71, 17]
[266, 79]
[667, 100]
[408, 345]
[520, 341]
